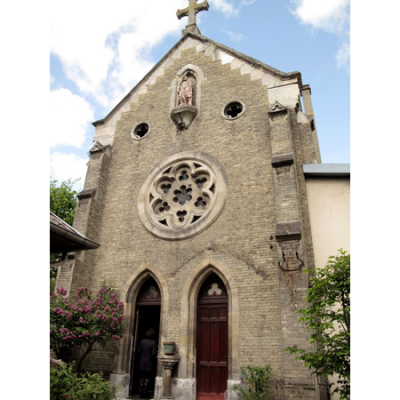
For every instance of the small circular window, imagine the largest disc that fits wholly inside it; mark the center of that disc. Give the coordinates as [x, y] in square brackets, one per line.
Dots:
[233, 110]
[140, 130]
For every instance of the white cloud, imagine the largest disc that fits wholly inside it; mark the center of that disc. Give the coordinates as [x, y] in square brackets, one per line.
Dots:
[224, 6]
[69, 118]
[235, 37]
[68, 166]
[105, 51]
[332, 16]
[343, 56]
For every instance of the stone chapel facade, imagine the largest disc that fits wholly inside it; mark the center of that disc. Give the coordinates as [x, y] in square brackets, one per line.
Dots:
[195, 191]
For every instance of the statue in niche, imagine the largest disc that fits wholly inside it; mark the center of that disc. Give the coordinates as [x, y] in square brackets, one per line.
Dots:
[185, 91]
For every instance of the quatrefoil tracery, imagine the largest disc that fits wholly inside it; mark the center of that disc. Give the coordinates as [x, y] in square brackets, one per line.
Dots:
[182, 194]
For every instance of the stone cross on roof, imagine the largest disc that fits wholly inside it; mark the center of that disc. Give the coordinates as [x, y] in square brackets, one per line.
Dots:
[192, 10]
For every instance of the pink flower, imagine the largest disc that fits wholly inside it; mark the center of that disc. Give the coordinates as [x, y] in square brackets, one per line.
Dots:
[61, 291]
[84, 291]
[58, 311]
[116, 337]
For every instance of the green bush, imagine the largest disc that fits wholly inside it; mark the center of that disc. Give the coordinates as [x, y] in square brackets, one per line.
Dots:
[67, 385]
[327, 316]
[255, 385]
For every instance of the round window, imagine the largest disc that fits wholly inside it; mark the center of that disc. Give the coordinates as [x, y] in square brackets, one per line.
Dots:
[233, 110]
[140, 130]
[182, 195]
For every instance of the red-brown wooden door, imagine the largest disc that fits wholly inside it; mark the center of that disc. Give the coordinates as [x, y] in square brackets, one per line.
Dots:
[212, 340]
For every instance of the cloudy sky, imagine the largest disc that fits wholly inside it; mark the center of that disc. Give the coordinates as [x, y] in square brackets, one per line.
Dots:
[99, 53]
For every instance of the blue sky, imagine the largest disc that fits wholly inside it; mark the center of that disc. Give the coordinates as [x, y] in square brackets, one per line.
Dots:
[97, 57]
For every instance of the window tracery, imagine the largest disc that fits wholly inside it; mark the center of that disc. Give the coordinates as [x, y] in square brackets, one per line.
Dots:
[181, 193]
[182, 196]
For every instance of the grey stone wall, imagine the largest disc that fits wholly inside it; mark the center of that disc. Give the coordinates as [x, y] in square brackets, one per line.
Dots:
[243, 237]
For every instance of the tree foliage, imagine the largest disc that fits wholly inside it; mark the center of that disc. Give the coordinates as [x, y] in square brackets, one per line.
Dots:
[63, 200]
[91, 320]
[328, 316]
[256, 381]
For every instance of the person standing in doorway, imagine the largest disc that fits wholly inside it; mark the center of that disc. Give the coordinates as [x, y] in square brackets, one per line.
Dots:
[147, 362]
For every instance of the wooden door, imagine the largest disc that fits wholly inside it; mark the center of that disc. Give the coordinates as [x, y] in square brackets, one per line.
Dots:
[212, 340]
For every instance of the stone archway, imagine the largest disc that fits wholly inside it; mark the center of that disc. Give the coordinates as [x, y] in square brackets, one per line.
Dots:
[212, 340]
[206, 267]
[129, 294]
[145, 336]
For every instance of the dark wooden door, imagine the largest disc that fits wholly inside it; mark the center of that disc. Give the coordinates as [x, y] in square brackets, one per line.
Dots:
[212, 341]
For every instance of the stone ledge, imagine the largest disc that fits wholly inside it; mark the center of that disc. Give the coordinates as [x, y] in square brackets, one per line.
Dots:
[282, 159]
[86, 193]
[288, 231]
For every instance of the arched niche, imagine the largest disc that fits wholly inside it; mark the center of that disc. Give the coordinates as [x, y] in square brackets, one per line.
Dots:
[187, 80]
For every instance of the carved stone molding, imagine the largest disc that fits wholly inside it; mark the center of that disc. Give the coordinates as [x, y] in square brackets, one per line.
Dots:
[183, 116]
[98, 148]
[277, 110]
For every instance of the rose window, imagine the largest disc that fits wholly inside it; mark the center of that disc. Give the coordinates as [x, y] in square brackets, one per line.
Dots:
[182, 196]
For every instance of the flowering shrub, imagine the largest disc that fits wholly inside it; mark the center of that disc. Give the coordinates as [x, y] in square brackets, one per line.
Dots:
[90, 320]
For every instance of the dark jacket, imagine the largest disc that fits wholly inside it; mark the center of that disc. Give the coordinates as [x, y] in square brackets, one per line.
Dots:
[147, 351]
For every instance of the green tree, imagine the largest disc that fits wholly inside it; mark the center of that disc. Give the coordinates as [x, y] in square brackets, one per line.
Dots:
[328, 316]
[63, 201]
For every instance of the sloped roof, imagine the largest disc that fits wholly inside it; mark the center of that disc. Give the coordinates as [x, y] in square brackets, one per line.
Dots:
[326, 170]
[234, 53]
[64, 238]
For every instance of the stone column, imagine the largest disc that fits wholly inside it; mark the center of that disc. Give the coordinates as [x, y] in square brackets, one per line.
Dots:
[309, 113]
[289, 240]
[167, 362]
[306, 94]
[87, 216]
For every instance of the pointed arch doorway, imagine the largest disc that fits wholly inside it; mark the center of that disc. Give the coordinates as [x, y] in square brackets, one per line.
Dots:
[147, 319]
[212, 340]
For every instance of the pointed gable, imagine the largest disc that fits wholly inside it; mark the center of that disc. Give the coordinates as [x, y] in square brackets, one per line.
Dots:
[282, 87]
